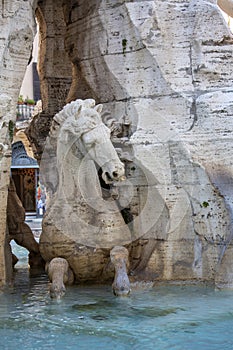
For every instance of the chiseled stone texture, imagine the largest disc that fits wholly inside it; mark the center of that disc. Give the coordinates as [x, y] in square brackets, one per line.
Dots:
[16, 37]
[167, 66]
[54, 68]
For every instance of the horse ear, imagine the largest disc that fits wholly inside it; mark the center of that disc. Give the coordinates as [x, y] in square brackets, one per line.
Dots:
[78, 112]
[98, 108]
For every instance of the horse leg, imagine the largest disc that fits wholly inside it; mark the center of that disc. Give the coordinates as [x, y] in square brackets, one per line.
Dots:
[59, 274]
[120, 258]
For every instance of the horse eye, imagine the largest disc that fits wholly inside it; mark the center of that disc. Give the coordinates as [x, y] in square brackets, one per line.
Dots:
[88, 141]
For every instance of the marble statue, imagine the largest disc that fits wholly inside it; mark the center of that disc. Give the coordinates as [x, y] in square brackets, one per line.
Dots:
[120, 259]
[81, 226]
[166, 66]
[59, 274]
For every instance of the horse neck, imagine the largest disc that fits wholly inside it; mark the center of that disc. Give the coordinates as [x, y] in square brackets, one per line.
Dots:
[78, 177]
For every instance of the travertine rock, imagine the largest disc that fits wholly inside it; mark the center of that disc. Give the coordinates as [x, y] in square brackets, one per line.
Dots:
[54, 68]
[18, 230]
[17, 30]
[167, 66]
[226, 6]
[120, 258]
[59, 275]
[79, 225]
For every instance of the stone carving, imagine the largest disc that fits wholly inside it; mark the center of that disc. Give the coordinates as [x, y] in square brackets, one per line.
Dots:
[79, 225]
[119, 128]
[19, 231]
[167, 65]
[170, 72]
[120, 259]
[3, 147]
[226, 6]
[59, 274]
[17, 30]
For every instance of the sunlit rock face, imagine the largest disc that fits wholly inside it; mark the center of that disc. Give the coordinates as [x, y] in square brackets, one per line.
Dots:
[54, 68]
[167, 67]
[16, 37]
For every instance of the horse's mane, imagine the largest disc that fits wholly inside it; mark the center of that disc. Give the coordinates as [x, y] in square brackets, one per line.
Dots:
[49, 171]
[68, 111]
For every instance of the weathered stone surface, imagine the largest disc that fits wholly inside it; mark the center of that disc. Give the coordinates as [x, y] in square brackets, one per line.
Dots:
[18, 230]
[59, 274]
[166, 65]
[120, 258]
[54, 68]
[226, 6]
[17, 30]
[79, 225]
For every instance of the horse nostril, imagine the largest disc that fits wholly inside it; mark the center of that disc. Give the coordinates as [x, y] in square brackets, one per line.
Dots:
[108, 176]
[115, 174]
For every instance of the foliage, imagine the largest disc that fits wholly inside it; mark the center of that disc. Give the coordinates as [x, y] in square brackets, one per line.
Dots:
[20, 99]
[29, 101]
[26, 101]
[205, 204]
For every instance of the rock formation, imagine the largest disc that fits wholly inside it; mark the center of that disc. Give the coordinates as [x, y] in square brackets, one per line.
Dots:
[54, 68]
[166, 68]
[17, 23]
[226, 6]
[19, 231]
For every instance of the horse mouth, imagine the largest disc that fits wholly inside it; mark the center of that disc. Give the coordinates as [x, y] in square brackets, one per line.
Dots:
[107, 178]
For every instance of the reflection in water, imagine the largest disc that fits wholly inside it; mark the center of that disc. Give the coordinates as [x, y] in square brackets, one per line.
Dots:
[165, 317]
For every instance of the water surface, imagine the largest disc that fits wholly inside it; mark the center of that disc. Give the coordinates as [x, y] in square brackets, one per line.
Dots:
[164, 317]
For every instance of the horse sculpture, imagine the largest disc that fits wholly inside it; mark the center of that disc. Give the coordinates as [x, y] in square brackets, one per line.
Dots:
[83, 234]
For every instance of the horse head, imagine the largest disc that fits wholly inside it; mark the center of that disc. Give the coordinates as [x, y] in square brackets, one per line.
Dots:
[95, 143]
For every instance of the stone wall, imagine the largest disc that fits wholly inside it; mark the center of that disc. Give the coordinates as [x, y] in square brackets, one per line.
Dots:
[54, 68]
[167, 67]
[17, 32]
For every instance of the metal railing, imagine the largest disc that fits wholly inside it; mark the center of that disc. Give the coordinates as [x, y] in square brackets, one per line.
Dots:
[24, 111]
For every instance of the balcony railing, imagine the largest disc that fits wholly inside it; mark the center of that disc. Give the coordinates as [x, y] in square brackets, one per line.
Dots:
[24, 112]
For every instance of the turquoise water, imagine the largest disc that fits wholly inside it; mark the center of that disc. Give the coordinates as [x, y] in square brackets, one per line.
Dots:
[164, 317]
